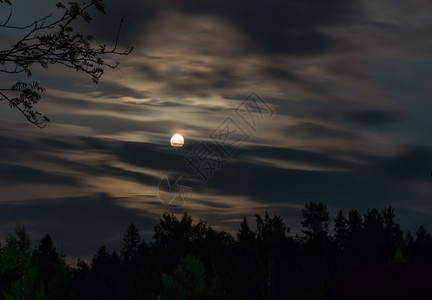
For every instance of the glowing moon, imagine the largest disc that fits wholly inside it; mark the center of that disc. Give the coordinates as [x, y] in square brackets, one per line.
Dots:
[177, 141]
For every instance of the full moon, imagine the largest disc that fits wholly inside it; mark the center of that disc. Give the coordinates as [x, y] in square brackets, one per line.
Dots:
[177, 141]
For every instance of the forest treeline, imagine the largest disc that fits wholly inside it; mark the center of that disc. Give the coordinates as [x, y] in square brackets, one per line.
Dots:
[187, 260]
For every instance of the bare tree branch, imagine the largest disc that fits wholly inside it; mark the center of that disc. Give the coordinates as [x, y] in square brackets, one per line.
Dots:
[49, 41]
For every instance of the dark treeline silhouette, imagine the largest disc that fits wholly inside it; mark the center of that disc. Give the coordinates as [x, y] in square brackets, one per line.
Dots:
[189, 260]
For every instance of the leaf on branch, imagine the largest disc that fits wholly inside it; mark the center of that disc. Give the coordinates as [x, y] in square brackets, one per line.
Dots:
[74, 10]
[86, 17]
[44, 64]
[60, 5]
[100, 6]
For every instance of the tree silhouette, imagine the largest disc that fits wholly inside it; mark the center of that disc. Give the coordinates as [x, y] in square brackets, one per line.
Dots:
[190, 281]
[316, 221]
[393, 235]
[51, 41]
[317, 251]
[188, 260]
[245, 234]
[79, 285]
[131, 243]
[422, 246]
[136, 266]
[47, 258]
[374, 236]
[247, 248]
[105, 275]
[172, 233]
[355, 240]
[272, 238]
[18, 273]
[52, 270]
[341, 229]
[408, 248]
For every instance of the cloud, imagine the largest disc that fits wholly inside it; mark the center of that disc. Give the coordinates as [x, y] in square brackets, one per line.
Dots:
[90, 220]
[280, 73]
[339, 75]
[374, 117]
[412, 164]
[14, 174]
[308, 130]
[277, 26]
[280, 155]
[128, 173]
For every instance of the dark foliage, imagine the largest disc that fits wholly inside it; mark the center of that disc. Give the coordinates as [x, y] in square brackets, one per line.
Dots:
[194, 261]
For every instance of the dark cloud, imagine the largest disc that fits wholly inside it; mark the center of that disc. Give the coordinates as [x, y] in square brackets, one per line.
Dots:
[276, 26]
[83, 85]
[151, 156]
[280, 73]
[140, 154]
[201, 83]
[115, 90]
[73, 222]
[98, 168]
[271, 185]
[14, 174]
[213, 204]
[356, 69]
[293, 155]
[111, 124]
[147, 155]
[100, 123]
[413, 164]
[135, 14]
[374, 117]
[13, 147]
[18, 146]
[65, 104]
[308, 130]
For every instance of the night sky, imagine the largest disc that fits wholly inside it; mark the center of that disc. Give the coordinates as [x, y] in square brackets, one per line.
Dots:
[346, 87]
